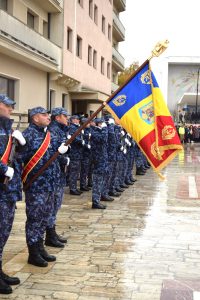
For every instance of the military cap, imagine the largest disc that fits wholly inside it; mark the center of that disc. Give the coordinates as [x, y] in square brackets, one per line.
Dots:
[6, 100]
[83, 120]
[37, 110]
[98, 120]
[74, 117]
[59, 111]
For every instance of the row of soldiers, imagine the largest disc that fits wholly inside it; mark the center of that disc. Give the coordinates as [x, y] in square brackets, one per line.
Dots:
[102, 157]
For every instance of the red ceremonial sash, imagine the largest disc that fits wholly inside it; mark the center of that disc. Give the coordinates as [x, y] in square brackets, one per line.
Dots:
[6, 154]
[36, 157]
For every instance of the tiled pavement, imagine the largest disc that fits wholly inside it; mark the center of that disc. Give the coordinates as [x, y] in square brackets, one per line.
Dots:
[145, 245]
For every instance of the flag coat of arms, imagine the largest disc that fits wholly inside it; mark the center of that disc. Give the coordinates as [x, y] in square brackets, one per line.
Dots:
[140, 108]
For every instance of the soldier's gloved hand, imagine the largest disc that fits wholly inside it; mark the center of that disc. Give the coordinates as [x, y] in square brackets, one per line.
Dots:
[126, 141]
[89, 146]
[129, 143]
[82, 131]
[68, 161]
[69, 136]
[122, 148]
[103, 125]
[125, 151]
[89, 134]
[83, 143]
[63, 148]
[18, 136]
[9, 173]
[111, 121]
[122, 132]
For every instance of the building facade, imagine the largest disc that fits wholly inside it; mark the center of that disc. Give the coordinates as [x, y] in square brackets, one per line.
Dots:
[59, 52]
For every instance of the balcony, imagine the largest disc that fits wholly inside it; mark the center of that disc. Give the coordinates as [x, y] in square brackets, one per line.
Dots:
[117, 60]
[118, 28]
[51, 6]
[114, 87]
[120, 5]
[19, 41]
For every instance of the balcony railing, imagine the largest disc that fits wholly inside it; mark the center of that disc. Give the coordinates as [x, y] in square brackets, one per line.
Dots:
[118, 58]
[21, 35]
[120, 5]
[118, 26]
[51, 5]
[114, 87]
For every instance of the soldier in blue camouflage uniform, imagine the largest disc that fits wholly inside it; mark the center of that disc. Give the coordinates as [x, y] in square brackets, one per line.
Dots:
[99, 140]
[86, 157]
[129, 175]
[75, 156]
[139, 160]
[57, 127]
[39, 196]
[12, 192]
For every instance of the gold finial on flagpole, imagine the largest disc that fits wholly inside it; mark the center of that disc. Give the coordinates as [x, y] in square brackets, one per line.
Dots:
[159, 48]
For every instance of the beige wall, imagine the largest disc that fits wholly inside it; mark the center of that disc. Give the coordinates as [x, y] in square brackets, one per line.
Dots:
[77, 18]
[30, 83]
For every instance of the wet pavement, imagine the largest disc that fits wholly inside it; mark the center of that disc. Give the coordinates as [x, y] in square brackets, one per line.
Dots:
[145, 245]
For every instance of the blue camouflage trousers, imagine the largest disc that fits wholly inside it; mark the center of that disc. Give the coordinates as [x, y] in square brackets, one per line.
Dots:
[121, 172]
[97, 187]
[108, 178]
[129, 174]
[85, 168]
[58, 197]
[74, 172]
[7, 212]
[39, 207]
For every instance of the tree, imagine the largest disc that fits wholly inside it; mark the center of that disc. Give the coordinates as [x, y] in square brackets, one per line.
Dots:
[123, 76]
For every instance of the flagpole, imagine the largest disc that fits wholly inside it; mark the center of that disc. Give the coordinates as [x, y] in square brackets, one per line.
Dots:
[158, 49]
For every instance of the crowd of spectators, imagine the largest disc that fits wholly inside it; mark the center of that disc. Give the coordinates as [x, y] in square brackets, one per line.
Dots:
[189, 133]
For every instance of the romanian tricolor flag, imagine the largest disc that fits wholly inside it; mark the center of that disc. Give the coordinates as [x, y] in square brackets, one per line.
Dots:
[140, 108]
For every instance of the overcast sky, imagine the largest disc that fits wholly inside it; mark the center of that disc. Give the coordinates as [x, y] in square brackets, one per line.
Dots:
[147, 22]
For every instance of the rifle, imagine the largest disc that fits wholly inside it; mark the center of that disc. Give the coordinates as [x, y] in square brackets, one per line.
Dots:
[12, 152]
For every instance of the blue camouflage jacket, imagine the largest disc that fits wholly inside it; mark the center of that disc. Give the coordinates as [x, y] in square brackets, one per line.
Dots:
[112, 143]
[49, 180]
[99, 139]
[13, 191]
[76, 146]
[87, 139]
[59, 136]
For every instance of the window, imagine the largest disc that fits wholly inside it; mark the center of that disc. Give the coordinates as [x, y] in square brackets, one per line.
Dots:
[45, 29]
[109, 32]
[51, 103]
[89, 55]
[91, 8]
[95, 59]
[95, 14]
[102, 65]
[30, 20]
[103, 24]
[69, 39]
[80, 2]
[7, 86]
[108, 70]
[79, 47]
[64, 100]
[4, 5]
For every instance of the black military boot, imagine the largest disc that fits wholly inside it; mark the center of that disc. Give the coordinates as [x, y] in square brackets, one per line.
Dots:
[5, 288]
[60, 238]
[84, 189]
[52, 240]
[35, 257]
[139, 171]
[123, 186]
[114, 194]
[8, 279]
[128, 182]
[44, 253]
[107, 198]
[119, 190]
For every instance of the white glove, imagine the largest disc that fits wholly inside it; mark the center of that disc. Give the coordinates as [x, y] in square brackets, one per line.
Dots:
[89, 146]
[63, 148]
[122, 132]
[129, 134]
[111, 121]
[126, 141]
[82, 131]
[103, 125]
[9, 173]
[129, 143]
[125, 151]
[68, 161]
[83, 143]
[18, 136]
[122, 148]
[69, 136]
[89, 134]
